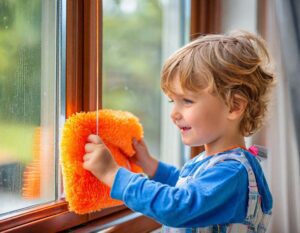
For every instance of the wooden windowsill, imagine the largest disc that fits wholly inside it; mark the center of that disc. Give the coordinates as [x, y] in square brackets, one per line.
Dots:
[131, 221]
[52, 217]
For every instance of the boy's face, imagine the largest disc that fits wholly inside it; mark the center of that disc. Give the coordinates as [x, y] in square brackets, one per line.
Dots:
[201, 117]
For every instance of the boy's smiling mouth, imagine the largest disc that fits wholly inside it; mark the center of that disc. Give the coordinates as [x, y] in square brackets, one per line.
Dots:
[184, 128]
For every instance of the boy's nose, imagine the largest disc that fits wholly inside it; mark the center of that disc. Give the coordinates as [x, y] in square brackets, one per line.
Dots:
[175, 115]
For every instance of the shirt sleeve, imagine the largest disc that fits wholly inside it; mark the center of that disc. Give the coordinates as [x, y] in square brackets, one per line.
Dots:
[166, 174]
[218, 196]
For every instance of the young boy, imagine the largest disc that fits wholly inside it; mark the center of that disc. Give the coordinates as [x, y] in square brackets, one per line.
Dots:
[218, 86]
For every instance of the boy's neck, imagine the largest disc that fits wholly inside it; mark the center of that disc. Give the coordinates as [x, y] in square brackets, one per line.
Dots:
[220, 145]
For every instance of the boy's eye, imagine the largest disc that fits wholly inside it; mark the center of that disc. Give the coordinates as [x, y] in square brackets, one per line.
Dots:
[188, 101]
[171, 101]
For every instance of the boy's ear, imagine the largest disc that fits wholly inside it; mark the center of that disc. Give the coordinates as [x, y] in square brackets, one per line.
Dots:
[237, 107]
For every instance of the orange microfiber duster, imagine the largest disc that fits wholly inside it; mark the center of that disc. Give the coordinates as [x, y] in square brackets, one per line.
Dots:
[84, 192]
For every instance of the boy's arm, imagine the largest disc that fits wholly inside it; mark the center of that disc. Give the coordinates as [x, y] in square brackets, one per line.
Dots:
[166, 174]
[218, 196]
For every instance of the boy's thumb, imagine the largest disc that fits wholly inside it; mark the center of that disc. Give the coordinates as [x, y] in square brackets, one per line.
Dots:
[135, 142]
[135, 145]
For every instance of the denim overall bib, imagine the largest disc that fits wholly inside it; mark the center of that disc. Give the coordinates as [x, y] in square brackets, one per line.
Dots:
[255, 222]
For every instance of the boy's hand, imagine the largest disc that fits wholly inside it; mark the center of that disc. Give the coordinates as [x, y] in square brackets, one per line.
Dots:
[143, 158]
[99, 161]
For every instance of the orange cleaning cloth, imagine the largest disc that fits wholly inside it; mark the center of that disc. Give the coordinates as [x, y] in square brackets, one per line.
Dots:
[84, 192]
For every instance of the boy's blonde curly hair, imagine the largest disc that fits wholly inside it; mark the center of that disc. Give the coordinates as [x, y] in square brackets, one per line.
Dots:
[230, 65]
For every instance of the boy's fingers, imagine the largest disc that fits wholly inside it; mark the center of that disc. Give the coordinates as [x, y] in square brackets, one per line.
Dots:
[89, 147]
[94, 139]
[138, 142]
[134, 141]
[137, 146]
[86, 157]
[142, 142]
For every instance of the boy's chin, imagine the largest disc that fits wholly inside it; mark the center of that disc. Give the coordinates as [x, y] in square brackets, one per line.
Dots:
[192, 144]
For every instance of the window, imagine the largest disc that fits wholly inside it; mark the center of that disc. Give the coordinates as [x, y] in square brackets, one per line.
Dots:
[50, 53]
[27, 100]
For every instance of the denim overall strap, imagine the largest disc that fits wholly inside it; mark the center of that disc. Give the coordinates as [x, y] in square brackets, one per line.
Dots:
[253, 190]
[255, 221]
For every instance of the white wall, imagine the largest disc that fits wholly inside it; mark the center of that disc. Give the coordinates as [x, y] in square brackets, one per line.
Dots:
[239, 14]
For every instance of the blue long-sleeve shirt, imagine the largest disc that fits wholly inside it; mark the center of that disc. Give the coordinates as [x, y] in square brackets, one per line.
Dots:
[217, 196]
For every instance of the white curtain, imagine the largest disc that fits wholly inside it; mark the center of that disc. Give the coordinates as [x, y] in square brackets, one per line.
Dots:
[279, 135]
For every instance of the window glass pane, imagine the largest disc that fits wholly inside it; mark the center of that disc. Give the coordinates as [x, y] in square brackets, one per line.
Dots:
[138, 35]
[27, 100]
[132, 45]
